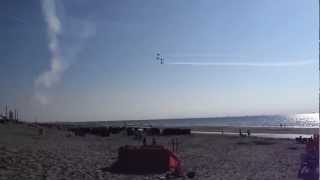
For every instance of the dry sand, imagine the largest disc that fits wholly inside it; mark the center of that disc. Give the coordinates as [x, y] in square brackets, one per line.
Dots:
[57, 155]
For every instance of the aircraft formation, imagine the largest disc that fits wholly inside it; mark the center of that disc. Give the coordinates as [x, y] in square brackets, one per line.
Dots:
[160, 58]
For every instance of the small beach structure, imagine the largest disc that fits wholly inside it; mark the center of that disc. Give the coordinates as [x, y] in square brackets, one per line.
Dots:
[146, 159]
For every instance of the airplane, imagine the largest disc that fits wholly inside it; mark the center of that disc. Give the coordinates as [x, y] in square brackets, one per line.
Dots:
[159, 58]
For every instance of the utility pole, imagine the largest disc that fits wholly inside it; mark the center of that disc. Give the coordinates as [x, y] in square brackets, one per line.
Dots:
[15, 115]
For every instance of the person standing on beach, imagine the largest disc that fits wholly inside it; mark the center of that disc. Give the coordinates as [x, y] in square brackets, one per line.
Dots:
[144, 142]
[248, 132]
[154, 141]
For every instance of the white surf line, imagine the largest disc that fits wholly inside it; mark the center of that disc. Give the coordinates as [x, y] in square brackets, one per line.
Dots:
[265, 135]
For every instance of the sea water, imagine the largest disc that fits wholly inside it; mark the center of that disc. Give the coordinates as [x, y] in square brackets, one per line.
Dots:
[296, 121]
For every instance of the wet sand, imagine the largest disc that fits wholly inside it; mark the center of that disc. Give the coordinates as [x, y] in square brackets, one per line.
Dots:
[59, 155]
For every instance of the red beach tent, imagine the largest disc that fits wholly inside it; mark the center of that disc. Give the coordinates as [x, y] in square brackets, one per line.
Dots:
[147, 159]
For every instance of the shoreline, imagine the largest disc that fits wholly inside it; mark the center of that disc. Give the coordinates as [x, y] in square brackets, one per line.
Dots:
[264, 132]
[260, 135]
[232, 129]
[254, 130]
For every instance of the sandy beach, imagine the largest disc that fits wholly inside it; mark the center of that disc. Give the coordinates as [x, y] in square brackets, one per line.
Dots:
[58, 154]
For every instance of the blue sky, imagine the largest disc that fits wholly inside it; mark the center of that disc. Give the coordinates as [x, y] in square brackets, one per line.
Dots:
[79, 60]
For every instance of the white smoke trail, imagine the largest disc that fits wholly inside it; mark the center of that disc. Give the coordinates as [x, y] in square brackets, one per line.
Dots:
[202, 56]
[63, 53]
[226, 60]
[208, 56]
[246, 64]
[51, 76]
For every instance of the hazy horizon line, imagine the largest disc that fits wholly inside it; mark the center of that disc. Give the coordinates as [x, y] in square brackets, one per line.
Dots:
[151, 119]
